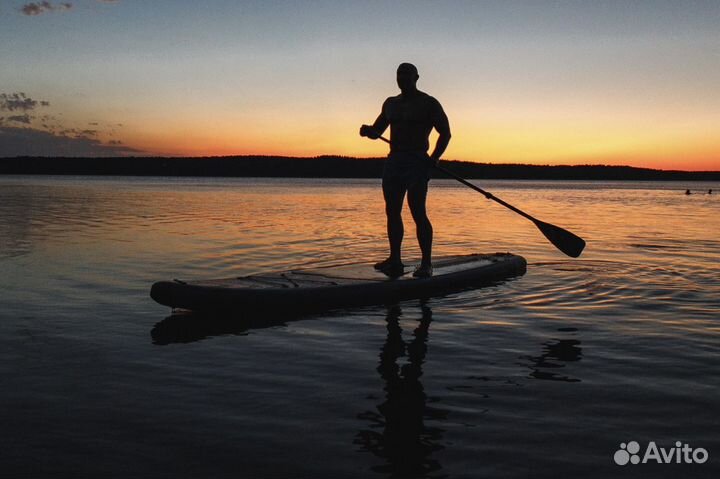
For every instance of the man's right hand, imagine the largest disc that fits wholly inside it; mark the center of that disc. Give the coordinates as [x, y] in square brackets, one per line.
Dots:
[369, 131]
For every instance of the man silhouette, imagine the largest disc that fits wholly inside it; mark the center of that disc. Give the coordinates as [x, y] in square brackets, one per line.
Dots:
[411, 116]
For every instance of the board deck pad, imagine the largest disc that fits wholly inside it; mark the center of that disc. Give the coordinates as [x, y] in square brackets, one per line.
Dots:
[344, 285]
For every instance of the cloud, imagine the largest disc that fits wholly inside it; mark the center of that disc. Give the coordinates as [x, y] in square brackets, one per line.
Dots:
[18, 102]
[27, 132]
[21, 118]
[35, 8]
[16, 141]
[32, 8]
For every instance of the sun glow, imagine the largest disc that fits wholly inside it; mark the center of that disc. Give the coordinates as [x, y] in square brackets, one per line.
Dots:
[584, 83]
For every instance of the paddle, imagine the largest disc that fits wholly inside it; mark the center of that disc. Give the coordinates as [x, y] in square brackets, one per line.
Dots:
[567, 242]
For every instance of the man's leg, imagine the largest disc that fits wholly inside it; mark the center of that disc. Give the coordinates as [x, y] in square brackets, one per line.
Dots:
[394, 193]
[417, 195]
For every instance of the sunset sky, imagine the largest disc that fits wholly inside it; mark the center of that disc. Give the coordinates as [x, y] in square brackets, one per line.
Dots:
[543, 82]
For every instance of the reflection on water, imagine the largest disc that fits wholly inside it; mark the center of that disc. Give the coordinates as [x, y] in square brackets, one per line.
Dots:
[188, 327]
[553, 358]
[548, 372]
[398, 433]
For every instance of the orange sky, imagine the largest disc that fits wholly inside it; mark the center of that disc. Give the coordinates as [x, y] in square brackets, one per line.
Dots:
[611, 82]
[663, 146]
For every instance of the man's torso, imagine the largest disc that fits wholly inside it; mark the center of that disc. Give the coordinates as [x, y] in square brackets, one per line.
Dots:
[411, 120]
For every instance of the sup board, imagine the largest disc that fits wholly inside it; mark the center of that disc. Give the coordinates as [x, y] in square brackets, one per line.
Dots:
[346, 285]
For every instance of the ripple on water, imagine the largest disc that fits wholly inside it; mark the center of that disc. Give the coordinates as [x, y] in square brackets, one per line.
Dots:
[545, 372]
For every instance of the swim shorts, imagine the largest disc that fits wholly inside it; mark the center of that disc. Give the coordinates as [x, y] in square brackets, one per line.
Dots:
[406, 168]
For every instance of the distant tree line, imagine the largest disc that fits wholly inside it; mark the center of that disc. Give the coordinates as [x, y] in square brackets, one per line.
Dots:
[322, 167]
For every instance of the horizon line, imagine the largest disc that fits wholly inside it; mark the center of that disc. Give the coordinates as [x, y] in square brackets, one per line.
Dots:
[360, 158]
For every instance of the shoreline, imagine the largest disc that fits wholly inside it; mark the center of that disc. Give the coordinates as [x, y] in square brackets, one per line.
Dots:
[324, 167]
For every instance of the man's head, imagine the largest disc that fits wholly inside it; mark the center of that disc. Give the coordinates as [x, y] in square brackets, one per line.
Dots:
[407, 77]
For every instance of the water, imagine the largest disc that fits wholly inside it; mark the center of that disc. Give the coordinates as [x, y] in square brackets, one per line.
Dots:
[541, 376]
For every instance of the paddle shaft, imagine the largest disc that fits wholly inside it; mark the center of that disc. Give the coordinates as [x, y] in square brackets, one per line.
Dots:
[567, 242]
[487, 194]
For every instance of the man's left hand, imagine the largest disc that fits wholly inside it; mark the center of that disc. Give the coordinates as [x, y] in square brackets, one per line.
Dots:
[369, 131]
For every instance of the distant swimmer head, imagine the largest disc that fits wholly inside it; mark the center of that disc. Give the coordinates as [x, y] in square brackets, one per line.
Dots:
[407, 77]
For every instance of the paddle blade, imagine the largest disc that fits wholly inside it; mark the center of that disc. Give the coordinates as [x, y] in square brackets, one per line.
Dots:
[567, 242]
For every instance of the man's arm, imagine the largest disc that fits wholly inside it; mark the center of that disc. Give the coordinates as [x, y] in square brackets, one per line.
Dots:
[375, 130]
[442, 125]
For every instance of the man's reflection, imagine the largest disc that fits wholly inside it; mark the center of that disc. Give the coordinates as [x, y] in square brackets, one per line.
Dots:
[555, 355]
[398, 433]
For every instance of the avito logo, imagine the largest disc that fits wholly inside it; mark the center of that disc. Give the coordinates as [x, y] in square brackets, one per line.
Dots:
[680, 454]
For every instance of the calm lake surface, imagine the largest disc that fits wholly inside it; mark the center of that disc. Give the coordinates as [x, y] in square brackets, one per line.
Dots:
[541, 376]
